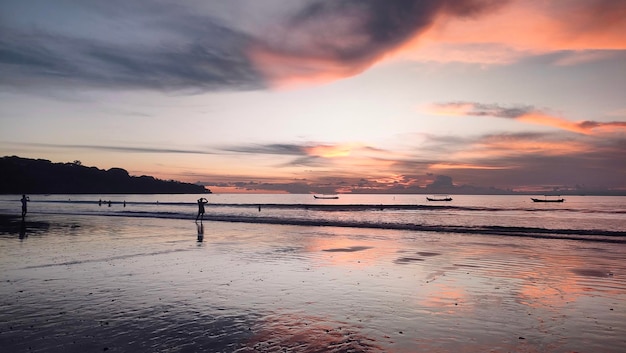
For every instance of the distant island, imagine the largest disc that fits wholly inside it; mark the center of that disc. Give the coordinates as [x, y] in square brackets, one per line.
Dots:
[39, 176]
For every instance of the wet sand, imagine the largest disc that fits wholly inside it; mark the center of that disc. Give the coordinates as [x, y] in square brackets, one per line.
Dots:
[121, 284]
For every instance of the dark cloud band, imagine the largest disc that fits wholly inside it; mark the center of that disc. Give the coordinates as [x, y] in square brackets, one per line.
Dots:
[188, 46]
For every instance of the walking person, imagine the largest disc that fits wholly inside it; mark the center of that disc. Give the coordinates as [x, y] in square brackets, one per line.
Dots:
[24, 200]
[201, 202]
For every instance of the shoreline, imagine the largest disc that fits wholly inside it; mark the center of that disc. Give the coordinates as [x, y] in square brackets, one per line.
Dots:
[90, 283]
[607, 236]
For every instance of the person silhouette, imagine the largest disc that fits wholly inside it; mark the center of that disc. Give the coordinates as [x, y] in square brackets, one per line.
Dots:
[201, 202]
[24, 200]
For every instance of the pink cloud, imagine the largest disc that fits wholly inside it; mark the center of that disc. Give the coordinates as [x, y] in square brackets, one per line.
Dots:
[527, 114]
[330, 40]
[524, 28]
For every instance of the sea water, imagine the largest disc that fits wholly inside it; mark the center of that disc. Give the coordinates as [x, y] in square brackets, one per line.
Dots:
[267, 273]
[578, 217]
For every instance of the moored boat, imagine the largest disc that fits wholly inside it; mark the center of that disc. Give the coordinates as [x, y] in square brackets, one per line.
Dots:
[327, 197]
[546, 199]
[440, 198]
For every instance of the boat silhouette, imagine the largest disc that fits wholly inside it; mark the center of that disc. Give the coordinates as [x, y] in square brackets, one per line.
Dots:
[546, 199]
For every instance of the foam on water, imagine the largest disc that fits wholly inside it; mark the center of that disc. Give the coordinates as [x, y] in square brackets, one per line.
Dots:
[582, 218]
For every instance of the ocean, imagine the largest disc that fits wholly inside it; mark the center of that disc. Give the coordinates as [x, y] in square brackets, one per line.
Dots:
[580, 217]
[290, 273]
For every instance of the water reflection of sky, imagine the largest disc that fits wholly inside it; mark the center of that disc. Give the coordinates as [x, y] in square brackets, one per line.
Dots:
[145, 283]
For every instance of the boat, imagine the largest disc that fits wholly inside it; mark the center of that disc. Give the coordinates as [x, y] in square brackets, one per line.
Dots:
[326, 197]
[441, 198]
[546, 199]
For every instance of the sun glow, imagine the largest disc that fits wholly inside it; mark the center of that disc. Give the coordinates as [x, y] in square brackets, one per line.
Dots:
[328, 151]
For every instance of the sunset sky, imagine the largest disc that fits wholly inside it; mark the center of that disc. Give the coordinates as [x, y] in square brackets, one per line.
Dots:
[321, 96]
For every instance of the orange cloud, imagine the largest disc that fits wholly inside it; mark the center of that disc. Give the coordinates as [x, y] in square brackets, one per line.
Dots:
[326, 42]
[548, 120]
[533, 146]
[506, 152]
[487, 151]
[329, 151]
[450, 109]
[323, 41]
[527, 114]
[523, 28]
[286, 71]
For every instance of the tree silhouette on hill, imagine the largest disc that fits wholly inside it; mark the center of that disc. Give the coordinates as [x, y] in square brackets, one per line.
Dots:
[40, 176]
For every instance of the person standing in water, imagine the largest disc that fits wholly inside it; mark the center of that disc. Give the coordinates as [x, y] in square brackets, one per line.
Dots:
[201, 202]
[24, 200]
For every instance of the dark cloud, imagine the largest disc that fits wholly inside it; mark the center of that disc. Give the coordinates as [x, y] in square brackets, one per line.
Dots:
[49, 59]
[591, 162]
[355, 30]
[344, 37]
[587, 125]
[122, 149]
[501, 112]
[275, 149]
[441, 182]
[193, 46]
[301, 152]
[493, 110]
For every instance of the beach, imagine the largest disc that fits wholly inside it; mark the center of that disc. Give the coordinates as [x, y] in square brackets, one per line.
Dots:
[87, 283]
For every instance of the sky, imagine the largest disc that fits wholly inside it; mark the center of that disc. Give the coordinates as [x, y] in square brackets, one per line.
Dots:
[333, 96]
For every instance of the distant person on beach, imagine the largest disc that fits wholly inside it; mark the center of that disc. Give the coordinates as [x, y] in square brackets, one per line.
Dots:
[24, 200]
[201, 202]
[100, 202]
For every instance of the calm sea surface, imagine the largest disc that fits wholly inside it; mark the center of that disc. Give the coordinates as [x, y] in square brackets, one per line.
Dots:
[577, 217]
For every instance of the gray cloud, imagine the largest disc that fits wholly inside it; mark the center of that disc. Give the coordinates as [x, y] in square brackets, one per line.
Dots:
[519, 111]
[299, 151]
[275, 149]
[493, 110]
[587, 124]
[592, 164]
[122, 149]
[195, 46]
[48, 59]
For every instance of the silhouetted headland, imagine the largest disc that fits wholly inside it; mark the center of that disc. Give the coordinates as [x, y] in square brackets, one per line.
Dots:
[39, 176]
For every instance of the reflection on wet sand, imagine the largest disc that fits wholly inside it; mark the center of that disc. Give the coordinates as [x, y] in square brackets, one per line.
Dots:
[145, 285]
[22, 229]
[14, 225]
[200, 228]
[283, 332]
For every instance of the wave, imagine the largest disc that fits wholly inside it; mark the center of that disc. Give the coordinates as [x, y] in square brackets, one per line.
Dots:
[582, 234]
[533, 232]
[341, 207]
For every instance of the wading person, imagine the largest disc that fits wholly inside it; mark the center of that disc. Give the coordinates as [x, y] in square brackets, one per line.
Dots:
[24, 200]
[201, 202]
